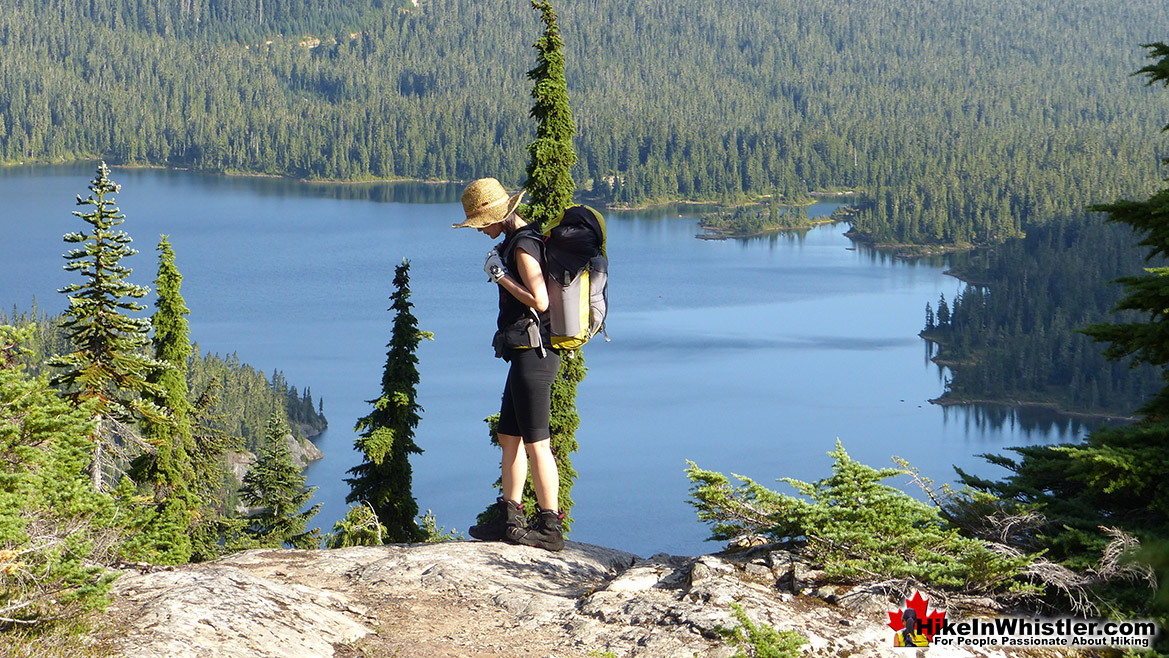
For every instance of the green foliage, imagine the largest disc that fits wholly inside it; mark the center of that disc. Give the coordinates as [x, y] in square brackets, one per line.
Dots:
[275, 487]
[436, 534]
[747, 221]
[383, 479]
[1013, 333]
[550, 181]
[236, 398]
[46, 339]
[54, 530]
[230, 406]
[551, 186]
[974, 123]
[244, 398]
[107, 366]
[215, 487]
[1115, 478]
[857, 527]
[162, 530]
[760, 641]
[359, 527]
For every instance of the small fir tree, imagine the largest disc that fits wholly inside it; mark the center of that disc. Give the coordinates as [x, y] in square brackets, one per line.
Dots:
[52, 524]
[383, 479]
[109, 365]
[164, 532]
[751, 640]
[211, 477]
[858, 528]
[275, 485]
[359, 527]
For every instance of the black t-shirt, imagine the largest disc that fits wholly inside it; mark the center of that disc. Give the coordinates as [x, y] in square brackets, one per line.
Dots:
[514, 315]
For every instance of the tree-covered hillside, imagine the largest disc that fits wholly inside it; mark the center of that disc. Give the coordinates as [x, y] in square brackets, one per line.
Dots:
[239, 398]
[1013, 335]
[961, 122]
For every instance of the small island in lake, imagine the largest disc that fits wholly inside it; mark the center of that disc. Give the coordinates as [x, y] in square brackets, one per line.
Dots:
[756, 220]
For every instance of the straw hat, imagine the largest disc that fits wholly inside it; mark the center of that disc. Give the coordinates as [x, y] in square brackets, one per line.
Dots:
[486, 202]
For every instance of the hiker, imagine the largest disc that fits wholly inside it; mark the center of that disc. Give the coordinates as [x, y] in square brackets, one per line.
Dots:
[522, 340]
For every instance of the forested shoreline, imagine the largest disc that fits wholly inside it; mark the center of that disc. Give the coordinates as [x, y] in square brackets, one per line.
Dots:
[244, 397]
[978, 123]
[1013, 334]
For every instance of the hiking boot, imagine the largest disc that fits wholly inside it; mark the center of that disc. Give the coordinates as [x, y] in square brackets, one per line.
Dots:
[544, 533]
[508, 515]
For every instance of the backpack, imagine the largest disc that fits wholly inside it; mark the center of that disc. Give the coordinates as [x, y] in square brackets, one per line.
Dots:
[576, 271]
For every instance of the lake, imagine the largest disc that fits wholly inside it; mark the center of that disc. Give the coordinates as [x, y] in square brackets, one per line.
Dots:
[749, 357]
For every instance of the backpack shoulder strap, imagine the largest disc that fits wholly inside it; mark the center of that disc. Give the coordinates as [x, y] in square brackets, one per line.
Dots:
[526, 231]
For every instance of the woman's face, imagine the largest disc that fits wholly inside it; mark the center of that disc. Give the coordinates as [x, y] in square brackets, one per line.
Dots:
[492, 230]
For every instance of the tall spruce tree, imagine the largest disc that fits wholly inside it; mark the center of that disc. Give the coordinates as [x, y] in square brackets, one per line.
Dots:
[551, 187]
[552, 155]
[275, 485]
[384, 479]
[109, 365]
[164, 532]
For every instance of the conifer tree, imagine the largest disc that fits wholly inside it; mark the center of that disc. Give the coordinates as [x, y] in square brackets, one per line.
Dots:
[210, 475]
[359, 527]
[549, 171]
[383, 479]
[109, 365]
[551, 187]
[50, 518]
[275, 485]
[163, 535]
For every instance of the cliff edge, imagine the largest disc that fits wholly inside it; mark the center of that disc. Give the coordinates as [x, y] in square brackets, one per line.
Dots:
[475, 599]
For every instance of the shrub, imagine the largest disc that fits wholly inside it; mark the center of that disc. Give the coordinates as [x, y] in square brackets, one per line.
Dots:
[859, 528]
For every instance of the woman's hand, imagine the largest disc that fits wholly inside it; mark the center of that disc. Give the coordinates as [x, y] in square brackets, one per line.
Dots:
[528, 287]
[494, 266]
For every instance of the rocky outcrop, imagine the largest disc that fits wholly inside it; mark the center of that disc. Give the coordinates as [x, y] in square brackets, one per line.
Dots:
[486, 599]
[304, 452]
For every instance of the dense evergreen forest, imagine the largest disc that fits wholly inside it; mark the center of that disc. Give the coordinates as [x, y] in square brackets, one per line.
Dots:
[241, 398]
[1013, 334]
[965, 123]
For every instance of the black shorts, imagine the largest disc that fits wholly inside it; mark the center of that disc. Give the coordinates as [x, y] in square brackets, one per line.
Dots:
[527, 395]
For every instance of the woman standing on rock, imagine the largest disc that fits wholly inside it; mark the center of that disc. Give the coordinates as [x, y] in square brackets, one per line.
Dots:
[522, 340]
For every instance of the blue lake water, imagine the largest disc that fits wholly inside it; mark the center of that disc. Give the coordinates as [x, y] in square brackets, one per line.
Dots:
[751, 357]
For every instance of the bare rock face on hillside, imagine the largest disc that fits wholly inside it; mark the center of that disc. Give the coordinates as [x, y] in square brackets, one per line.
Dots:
[470, 599]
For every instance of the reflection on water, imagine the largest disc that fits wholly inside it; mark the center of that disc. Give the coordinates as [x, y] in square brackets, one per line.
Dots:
[1033, 423]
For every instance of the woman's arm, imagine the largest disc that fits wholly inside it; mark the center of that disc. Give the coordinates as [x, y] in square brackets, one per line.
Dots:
[529, 286]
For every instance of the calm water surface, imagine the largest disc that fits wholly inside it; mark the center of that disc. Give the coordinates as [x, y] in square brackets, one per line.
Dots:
[751, 357]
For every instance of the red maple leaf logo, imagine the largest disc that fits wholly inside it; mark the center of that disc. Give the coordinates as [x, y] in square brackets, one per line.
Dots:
[929, 621]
